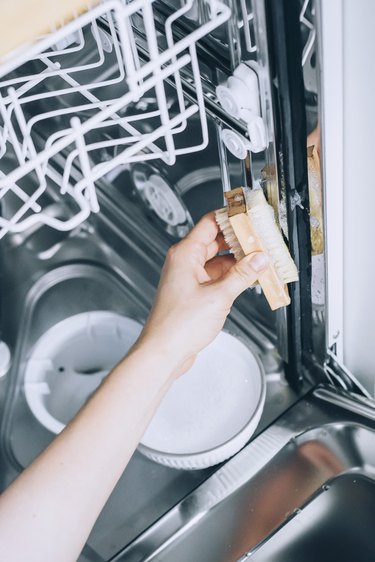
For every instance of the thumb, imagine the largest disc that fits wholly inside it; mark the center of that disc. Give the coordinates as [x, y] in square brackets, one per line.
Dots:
[244, 273]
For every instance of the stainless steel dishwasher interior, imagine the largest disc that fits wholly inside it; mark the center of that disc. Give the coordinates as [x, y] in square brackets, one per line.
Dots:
[303, 490]
[111, 262]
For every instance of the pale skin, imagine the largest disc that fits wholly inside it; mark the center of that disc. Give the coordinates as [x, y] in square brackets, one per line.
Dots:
[48, 512]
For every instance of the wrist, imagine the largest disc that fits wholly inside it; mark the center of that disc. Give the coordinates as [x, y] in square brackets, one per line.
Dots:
[158, 358]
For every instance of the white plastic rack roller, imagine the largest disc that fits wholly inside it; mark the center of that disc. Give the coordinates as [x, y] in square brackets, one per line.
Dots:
[89, 111]
[240, 98]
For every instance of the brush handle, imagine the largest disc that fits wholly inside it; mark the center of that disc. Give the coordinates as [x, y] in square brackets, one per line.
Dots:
[275, 291]
[24, 21]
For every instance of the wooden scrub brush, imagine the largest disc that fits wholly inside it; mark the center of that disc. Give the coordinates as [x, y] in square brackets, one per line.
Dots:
[248, 225]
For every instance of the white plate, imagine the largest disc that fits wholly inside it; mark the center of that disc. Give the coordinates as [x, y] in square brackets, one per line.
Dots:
[211, 411]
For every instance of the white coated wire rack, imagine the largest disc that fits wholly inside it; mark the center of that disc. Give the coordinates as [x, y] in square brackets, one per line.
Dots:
[84, 92]
[246, 25]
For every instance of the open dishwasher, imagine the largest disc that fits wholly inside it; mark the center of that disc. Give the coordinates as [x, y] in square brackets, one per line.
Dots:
[119, 130]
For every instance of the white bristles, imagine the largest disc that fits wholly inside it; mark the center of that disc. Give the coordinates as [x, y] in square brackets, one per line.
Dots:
[230, 238]
[263, 219]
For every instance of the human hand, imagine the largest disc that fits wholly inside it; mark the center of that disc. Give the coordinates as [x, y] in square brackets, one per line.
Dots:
[196, 291]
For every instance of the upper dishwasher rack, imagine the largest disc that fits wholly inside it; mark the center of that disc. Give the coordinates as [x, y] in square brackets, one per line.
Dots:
[85, 88]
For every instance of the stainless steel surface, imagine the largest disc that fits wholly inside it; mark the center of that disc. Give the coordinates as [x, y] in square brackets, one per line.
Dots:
[326, 440]
[110, 263]
[325, 529]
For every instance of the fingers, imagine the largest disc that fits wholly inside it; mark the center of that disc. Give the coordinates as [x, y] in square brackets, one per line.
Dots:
[218, 266]
[185, 264]
[243, 274]
[199, 255]
[218, 245]
[191, 254]
[205, 231]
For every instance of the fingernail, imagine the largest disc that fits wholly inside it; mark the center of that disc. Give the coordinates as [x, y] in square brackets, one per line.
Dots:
[259, 261]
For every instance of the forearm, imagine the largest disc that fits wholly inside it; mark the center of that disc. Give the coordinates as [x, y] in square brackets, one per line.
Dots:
[65, 488]
[48, 513]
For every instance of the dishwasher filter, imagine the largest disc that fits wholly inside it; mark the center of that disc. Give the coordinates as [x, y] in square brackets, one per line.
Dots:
[70, 361]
